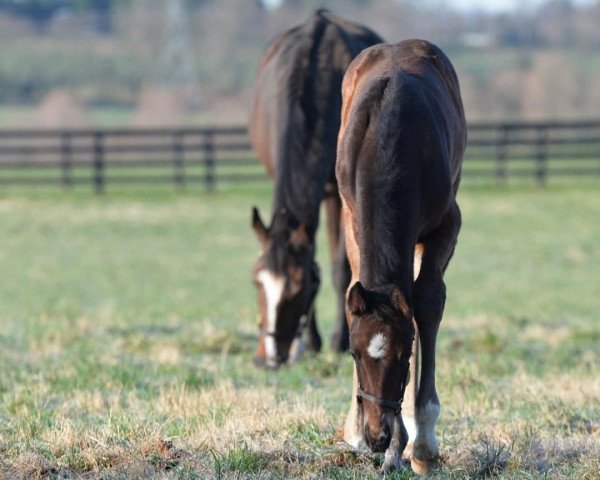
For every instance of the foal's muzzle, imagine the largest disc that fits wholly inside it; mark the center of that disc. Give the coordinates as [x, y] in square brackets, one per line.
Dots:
[381, 441]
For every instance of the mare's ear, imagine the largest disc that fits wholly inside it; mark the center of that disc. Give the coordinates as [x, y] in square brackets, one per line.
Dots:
[259, 227]
[399, 302]
[299, 237]
[358, 299]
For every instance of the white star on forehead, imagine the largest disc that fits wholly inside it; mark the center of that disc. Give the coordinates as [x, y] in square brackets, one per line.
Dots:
[377, 346]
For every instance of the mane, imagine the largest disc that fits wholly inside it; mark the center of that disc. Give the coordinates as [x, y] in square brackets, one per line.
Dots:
[311, 64]
[298, 173]
[277, 257]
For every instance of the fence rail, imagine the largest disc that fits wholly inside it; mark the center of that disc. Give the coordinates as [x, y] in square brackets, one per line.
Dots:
[210, 156]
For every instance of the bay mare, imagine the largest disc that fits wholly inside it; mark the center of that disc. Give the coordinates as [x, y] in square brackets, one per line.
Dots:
[294, 123]
[400, 151]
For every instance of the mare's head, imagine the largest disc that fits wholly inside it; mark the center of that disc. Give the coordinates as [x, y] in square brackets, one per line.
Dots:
[287, 279]
[381, 335]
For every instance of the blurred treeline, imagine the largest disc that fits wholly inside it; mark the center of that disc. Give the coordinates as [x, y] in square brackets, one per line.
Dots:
[540, 60]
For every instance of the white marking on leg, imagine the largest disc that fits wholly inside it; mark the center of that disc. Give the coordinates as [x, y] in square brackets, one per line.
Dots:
[353, 428]
[273, 286]
[426, 445]
[411, 427]
[377, 346]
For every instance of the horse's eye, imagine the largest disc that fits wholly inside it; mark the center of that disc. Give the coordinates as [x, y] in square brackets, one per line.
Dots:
[354, 355]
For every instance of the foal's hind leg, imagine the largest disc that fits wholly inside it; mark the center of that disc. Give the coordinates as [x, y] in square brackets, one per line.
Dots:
[340, 270]
[412, 388]
[410, 398]
[429, 300]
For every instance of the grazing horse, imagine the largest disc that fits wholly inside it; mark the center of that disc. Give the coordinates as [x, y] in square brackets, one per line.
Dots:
[400, 151]
[294, 123]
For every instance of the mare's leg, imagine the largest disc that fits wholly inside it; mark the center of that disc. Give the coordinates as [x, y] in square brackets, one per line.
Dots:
[313, 338]
[340, 270]
[429, 300]
[340, 339]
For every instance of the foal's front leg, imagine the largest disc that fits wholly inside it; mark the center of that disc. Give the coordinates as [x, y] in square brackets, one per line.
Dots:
[393, 454]
[429, 301]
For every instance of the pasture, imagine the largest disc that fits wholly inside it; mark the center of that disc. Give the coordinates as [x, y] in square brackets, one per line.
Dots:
[128, 323]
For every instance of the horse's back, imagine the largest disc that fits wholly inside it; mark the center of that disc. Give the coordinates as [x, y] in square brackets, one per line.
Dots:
[412, 91]
[403, 124]
[297, 92]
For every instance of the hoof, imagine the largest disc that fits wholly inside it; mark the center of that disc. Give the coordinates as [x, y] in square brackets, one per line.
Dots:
[422, 467]
[259, 362]
[392, 463]
[408, 452]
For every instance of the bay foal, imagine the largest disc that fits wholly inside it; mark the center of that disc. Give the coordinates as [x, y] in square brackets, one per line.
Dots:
[400, 151]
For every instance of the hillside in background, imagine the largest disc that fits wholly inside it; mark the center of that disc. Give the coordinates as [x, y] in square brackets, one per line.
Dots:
[156, 62]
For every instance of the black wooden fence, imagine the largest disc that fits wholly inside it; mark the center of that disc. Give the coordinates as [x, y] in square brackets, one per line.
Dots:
[211, 156]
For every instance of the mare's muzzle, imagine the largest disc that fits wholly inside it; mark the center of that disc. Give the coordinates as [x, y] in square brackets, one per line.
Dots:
[295, 339]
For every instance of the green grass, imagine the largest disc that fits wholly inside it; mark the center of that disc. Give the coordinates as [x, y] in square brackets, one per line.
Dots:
[128, 327]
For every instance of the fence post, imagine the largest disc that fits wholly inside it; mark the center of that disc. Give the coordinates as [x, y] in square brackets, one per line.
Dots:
[178, 160]
[209, 162]
[66, 159]
[541, 164]
[98, 175]
[501, 148]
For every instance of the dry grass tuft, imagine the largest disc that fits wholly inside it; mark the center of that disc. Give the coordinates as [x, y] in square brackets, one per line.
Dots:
[491, 457]
[163, 454]
[30, 465]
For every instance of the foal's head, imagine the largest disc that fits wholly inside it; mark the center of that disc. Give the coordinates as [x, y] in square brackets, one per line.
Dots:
[381, 337]
[287, 280]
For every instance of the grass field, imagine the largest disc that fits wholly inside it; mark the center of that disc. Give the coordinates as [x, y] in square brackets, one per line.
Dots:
[127, 327]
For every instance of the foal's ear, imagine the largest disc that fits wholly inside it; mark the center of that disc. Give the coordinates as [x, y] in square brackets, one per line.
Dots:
[399, 302]
[259, 227]
[358, 299]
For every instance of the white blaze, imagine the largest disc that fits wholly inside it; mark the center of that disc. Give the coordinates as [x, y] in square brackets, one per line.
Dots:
[377, 346]
[273, 286]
